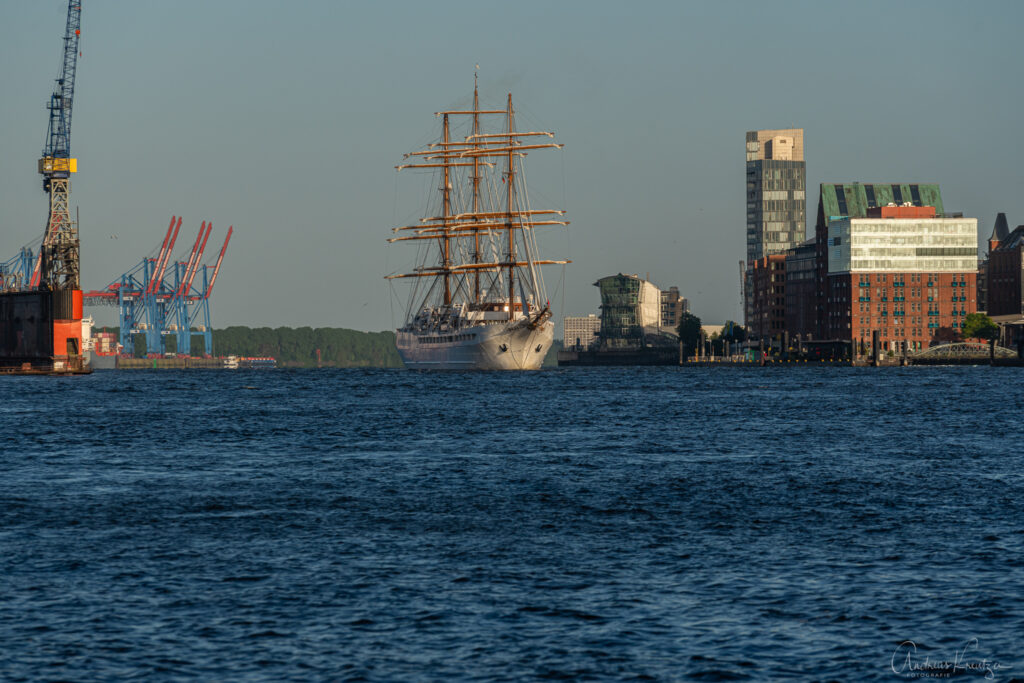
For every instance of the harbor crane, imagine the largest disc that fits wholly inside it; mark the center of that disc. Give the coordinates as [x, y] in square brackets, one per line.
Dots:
[743, 287]
[57, 266]
[163, 296]
[53, 265]
[40, 288]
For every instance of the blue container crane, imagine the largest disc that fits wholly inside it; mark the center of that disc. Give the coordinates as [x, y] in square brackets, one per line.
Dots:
[159, 297]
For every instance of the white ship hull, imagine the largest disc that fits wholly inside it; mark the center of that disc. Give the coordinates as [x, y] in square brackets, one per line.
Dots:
[500, 346]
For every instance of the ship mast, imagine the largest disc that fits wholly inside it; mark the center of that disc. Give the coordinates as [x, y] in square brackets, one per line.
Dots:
[476, 187]
[509, 181]
[480, 221]
[446, 211]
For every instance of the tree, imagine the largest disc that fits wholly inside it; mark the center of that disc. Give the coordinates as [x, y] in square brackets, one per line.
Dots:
[718, 344]
[979, 326]
[689, 331]
[733, 332]
[297, 347]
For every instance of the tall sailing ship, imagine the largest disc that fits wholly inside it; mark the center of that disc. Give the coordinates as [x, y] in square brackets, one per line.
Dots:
[478, 299]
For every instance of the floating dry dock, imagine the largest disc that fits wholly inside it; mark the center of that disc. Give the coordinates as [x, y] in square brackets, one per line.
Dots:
[41, 333]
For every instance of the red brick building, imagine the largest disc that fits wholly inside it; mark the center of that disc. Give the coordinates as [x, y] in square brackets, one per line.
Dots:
[888, 259]
[908, 309]
[903, 272]
[801, 315]
[768, 280]
[1006, 275]
[1000, 234]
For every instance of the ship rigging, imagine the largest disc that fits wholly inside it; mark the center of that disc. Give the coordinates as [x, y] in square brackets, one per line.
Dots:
[478, 278]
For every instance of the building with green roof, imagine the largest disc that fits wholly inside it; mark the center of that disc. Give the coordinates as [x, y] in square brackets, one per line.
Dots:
[854, 199]
[891, 262]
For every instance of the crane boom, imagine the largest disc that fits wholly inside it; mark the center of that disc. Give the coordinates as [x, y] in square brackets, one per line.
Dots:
[187, 285]
[199, 257]
[58, 262]
[220, 259]
[37, 271]
[743, 283]
[58, 135]
[191, 259]
[162, 265]
[158, 261]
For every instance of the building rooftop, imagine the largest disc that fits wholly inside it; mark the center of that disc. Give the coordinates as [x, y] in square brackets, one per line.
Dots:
[854, 199]
[1000, 231]
[906, 211]
[778, 144]
[1014, 240]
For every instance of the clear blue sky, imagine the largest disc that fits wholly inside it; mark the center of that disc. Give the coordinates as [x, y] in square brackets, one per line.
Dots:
[285, 119]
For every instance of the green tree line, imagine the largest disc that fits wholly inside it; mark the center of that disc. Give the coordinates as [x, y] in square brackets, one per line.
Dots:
[297, 347]
[294, 347]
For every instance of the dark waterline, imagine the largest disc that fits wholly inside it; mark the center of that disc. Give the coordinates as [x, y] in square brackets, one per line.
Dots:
[601, 524]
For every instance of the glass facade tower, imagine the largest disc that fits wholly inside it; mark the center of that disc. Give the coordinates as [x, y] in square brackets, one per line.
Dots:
[630, 312]
[776, 199]
[776, 191]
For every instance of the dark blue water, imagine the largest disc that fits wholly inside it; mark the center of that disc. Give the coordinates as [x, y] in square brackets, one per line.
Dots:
[605, 524]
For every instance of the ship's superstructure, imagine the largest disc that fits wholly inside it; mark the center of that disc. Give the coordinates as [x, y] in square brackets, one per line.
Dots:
[478, 299]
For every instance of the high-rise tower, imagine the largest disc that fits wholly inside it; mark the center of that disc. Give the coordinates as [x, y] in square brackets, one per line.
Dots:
[776, 197]
[776, 191]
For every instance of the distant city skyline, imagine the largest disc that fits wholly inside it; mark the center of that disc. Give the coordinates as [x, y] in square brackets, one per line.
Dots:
[286, 121]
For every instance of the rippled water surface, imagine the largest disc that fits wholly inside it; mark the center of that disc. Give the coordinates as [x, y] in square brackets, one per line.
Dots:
[601, 524]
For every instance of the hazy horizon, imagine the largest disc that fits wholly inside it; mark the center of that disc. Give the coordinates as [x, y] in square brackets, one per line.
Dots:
[286, 121]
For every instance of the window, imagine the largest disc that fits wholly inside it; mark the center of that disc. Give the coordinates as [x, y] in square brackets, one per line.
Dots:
[915, 195]
[841, 200]
[869, 190]
[897, 194]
